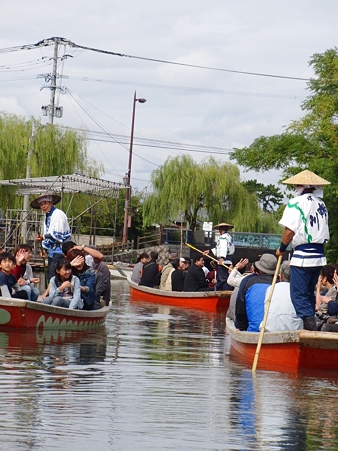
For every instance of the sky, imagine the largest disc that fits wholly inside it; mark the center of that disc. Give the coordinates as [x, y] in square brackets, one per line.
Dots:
[210, 111]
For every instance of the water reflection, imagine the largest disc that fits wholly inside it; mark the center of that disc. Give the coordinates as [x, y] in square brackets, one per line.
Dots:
[155, 378]
[174, 334]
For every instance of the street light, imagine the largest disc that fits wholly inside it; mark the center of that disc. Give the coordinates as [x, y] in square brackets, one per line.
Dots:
[126, 179]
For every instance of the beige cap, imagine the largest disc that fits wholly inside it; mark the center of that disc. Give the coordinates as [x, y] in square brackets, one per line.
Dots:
[306, 178]
[223, 224]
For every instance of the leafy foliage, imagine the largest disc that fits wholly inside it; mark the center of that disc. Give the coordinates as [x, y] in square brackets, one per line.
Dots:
[269, 196]
[46, 149]
[210, 190]
[308, 143]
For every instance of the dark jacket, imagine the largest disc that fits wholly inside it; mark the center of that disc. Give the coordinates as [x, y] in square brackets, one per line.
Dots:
[177, 280]
[195, 280]
[241, 317]
[151, 275]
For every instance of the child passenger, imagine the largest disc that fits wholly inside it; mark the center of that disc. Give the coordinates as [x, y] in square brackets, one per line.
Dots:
[65, 290]
[8, 282]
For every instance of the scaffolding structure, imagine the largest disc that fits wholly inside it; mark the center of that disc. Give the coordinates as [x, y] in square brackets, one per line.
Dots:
[31, 221]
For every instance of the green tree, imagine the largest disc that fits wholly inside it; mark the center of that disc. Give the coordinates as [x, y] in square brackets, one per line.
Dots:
[210, 190]
[108, 217]
[46, 149]
[308, 143]
[269, 196]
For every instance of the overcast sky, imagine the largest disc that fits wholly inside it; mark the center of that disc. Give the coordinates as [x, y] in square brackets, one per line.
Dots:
[185, 105]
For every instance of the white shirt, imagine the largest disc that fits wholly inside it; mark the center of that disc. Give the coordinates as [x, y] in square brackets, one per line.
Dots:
[306, 215]
[206, 270]
[235, 278]
[282, 315]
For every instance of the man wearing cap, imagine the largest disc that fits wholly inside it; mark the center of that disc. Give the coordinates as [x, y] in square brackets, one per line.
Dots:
[249, 309]
[224, 251]
[56, 229]
[305, 222]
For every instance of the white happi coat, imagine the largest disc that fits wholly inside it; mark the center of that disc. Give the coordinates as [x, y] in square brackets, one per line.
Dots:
[56, 231]
[224, 247]
[306, 215]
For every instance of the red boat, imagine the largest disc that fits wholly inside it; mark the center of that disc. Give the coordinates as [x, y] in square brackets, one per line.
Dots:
[17, 313]
[286, 351]
[211, 301]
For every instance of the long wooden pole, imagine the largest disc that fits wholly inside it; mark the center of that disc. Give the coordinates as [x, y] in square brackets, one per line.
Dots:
[206, 255]
[266, 311]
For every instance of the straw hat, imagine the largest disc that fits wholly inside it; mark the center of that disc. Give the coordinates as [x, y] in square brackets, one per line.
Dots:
[223, 225]
[54, 198]
[306, 178]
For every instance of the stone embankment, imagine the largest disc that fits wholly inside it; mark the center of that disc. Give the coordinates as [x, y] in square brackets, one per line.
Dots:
[162, 250]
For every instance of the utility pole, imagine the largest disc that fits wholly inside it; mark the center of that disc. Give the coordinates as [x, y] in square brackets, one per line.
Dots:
[127, 177]
[53, 84]
[52, 110]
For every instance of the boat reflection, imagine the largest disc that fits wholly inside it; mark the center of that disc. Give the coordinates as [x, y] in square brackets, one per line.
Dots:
[174, 333]
[59, 345]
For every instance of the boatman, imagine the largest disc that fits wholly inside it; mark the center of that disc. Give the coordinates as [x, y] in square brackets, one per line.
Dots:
[305, 222]
[56, 230]
[223, 251]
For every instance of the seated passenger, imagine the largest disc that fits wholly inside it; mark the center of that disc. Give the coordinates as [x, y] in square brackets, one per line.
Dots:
[24, 272]
[211, 275]
[249, 310]
[325, 280]
[138, 268]
[102, 268]
[195, 278]
[332, 309]
[151, 272]
[8, 282]
[64, 290]
[177, 276]
[86, 276]
[282, 314]
[90, 252]
[165, 283]
[237, 273]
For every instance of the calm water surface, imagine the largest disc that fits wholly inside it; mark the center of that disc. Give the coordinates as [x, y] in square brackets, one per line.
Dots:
[156, 378]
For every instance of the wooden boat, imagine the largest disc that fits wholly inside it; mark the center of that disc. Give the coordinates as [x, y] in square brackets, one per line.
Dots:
[292, 350]
[17, 313]
[120, 271]
[211, 301]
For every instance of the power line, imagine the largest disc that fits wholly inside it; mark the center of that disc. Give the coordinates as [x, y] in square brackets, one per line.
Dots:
[50, 41]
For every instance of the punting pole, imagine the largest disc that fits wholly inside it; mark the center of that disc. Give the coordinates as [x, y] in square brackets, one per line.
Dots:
[206, 255]
[266, 311]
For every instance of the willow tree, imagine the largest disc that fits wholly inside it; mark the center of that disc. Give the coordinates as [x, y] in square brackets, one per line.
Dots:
[210, 190]
[45, 149]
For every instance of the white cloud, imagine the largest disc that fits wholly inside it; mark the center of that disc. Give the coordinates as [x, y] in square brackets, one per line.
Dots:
[184, 104]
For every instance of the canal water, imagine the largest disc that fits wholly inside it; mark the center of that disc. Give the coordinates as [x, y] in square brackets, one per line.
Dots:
[155, 378]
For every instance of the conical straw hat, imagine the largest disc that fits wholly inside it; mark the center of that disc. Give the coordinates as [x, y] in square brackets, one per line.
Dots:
[223, 224]
[306, 178]
[54, 198]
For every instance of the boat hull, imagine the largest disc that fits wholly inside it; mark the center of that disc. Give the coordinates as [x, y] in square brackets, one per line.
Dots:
[293, 350]
[120, 272]
[211, 301]
[20, 314]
